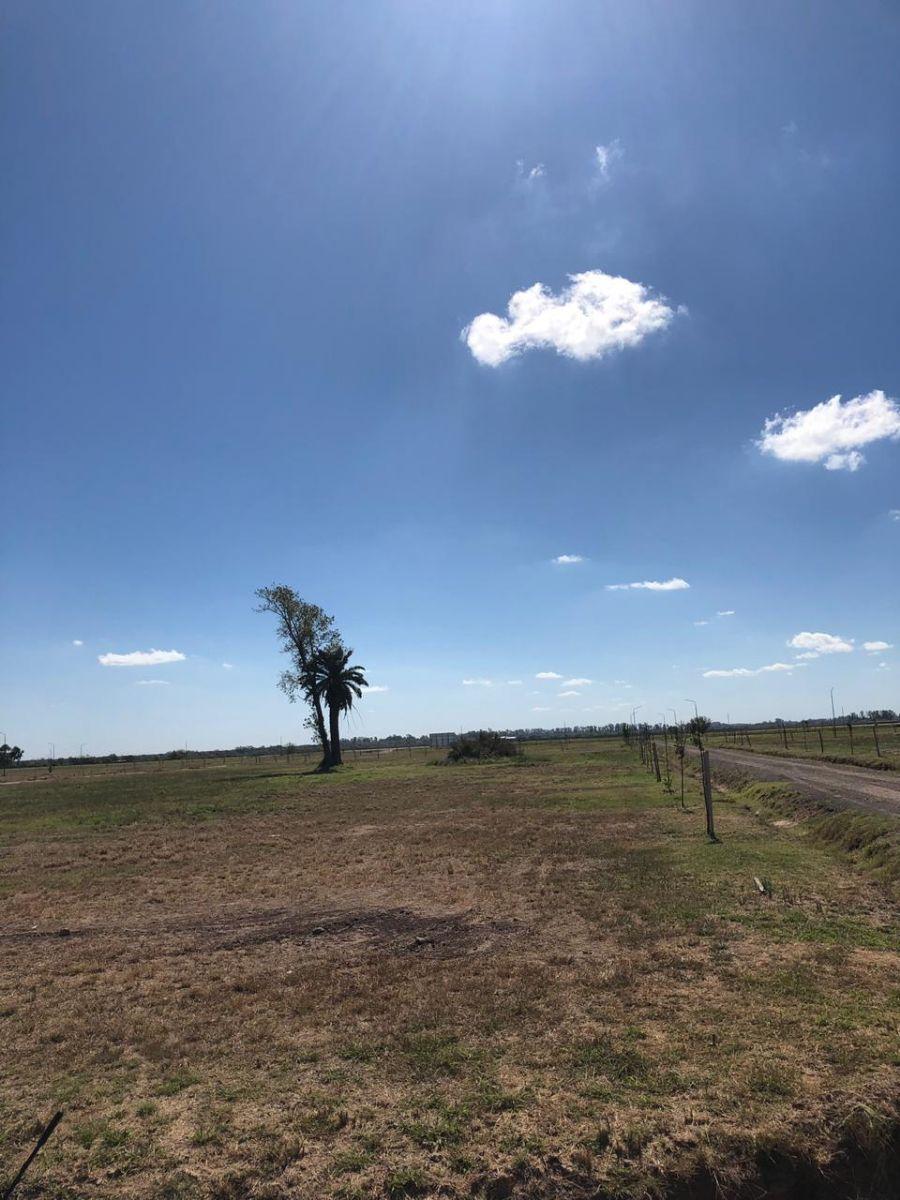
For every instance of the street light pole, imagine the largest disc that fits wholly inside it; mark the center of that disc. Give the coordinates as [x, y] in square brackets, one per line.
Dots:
[688, 700]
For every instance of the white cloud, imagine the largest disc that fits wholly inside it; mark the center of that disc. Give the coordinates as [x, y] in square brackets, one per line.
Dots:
[882, 666]
[375, 687]
[650, 585]
[701, 622]
[593, 316]
[152, 683]
[478, 683]
[563, 694]
[605, 156]
[530, 174]
[540, 708]
[578, 683]
[877, 647]
[547, 675]
[816, 644]
[141, 658]
[565, 560]
[832, 432]
[744, 672]
[725, 612]
[228, 666]
[77, 642]
[514, 683]
[894, 514]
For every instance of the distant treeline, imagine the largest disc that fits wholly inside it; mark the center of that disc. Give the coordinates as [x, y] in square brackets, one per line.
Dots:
[408, 740]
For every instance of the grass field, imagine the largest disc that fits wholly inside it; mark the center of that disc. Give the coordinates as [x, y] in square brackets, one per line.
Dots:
[535, 978]
[869, 747]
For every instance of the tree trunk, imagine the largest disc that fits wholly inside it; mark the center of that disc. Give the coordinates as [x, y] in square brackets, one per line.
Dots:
[325, 764]
[334, 716]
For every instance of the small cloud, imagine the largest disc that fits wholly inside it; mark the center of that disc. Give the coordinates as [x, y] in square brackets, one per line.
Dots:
[882, 666]
[375, 687]
[540, 708]
[514, 683]
[877, 647]
[832, 432]
[478, 683]
[564, 694]
[567, 560]
[576, 683]
[605, 156]
[529, 175]
[77, 642]
[141, 658]
[725, 612]
[152, 683]
[744, 672]
[701, 622]
[650, 585]
[595, 315]
[816, 644]
[547, 675]
[894, 514]
[228, 666]
[789, 129]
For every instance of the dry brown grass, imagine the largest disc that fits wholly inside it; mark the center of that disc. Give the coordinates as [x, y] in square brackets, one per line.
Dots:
[411, 979]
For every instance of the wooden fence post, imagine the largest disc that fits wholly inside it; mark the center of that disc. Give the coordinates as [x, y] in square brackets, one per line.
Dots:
[821, 743]
[875, 736]
[850, 731]
[707, 795]
[656, 763]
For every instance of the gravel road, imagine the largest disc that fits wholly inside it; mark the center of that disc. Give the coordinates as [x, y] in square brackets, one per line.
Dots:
[830, 783]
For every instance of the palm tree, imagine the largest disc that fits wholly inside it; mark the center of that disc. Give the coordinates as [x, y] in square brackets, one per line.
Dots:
[338, 683]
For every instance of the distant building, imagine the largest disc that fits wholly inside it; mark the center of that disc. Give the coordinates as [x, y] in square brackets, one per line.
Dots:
[437, 740]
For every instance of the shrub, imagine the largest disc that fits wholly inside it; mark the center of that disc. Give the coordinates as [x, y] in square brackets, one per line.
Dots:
[485, 744]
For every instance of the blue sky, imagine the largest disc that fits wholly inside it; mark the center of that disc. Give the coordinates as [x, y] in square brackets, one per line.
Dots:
[244, 250]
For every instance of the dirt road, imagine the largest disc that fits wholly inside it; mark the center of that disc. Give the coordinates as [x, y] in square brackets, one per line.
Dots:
[830, 783]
